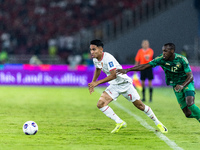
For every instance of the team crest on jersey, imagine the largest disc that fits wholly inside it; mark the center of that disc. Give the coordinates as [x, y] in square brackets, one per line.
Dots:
[111, 64]
[102, 64]
[178, 65]
[146, 57]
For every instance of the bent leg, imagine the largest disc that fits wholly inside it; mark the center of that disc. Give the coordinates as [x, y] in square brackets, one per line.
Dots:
[133, 96]
[188, 112]
[195, 111]
[104, 100]
[147, 110]
[102, 104]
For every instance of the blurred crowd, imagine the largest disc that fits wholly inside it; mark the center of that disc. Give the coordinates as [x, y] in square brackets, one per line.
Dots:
[48, 26]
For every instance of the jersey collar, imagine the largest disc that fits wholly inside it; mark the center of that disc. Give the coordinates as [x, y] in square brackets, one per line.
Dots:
[102, 57]
[175, 56]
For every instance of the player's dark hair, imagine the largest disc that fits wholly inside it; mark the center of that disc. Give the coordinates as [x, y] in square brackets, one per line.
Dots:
[97, 42]
[171, 45]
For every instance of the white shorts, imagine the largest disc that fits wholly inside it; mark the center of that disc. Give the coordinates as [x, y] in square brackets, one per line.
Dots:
[125, 89]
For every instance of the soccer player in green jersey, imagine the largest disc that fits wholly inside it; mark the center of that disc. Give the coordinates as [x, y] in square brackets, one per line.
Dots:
[177, 74]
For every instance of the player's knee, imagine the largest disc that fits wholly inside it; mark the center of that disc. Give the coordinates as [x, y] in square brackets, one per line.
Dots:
[189, 101]
[140, 106]
[100, 104]
[190, 104]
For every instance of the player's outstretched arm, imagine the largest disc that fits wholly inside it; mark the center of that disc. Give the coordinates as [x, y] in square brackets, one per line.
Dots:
[135, 68]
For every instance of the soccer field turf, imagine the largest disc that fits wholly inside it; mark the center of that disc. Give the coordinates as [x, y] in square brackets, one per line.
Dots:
[69, 119]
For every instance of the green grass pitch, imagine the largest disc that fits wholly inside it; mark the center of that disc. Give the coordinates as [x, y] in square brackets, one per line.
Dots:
[69, 119]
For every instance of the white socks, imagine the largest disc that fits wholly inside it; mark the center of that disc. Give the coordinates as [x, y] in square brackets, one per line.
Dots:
[111, 114]
[148, 111]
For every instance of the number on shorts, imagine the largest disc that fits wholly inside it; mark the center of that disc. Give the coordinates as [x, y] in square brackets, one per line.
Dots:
[130, 96]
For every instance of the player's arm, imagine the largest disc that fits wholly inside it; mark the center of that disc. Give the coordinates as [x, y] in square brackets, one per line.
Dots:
[107, 79]
[135, 68]
[137, 63]
[189, 79]
[96, 74]
[189, 74]
[94, 83]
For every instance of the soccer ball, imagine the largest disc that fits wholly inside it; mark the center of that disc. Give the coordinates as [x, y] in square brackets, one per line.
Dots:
[30, 128]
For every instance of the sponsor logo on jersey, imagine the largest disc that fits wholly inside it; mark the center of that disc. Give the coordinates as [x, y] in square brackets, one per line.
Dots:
[111, 64]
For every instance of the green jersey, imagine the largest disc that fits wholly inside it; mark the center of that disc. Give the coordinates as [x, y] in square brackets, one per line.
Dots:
[175, 71]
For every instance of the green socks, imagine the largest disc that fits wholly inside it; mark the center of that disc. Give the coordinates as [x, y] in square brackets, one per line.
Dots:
[195, 112]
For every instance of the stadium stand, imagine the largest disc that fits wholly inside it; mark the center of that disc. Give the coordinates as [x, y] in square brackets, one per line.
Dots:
[64, 27]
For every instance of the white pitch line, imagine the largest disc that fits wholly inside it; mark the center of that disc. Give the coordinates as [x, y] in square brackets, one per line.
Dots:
[169, 142]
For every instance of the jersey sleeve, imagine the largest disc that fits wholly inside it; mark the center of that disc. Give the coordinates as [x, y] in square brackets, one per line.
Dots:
[111, 64]
[137, 57]
[151, 55]
[156, 62]
[186, 65]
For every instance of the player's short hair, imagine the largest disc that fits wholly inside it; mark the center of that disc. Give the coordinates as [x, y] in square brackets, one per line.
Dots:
[97, 42]
[171, 45]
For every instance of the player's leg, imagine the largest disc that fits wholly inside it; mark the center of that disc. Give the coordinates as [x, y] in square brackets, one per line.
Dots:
[191, 110]
[195, 111]
[102, 104]
[133, 96]
[186, 100]
[142, 78]
[143, 91]
[107, 96]
[189, 92]
[150, 78]
[150, 90]
[180, 96]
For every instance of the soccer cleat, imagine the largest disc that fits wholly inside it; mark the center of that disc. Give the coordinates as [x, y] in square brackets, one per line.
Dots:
[119, 126]
[162, 128]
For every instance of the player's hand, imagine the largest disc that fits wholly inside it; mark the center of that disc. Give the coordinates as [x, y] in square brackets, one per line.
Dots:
[121, 71]
[178, 88]
[91, 90]
[91, 86]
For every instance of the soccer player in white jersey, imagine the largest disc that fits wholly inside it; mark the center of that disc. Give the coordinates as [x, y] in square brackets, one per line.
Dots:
[119, 84]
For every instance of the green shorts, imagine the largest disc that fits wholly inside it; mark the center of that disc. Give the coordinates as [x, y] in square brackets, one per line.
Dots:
[189, 90]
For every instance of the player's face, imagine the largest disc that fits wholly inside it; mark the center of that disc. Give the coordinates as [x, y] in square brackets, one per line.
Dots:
[145, 44]
[168, 53]
[96, 52]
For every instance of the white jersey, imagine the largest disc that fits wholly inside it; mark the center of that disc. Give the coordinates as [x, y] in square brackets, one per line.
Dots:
[108, 63]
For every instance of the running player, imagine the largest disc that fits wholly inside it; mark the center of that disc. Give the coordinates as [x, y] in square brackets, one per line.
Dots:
[119, 84]
[178, 74]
